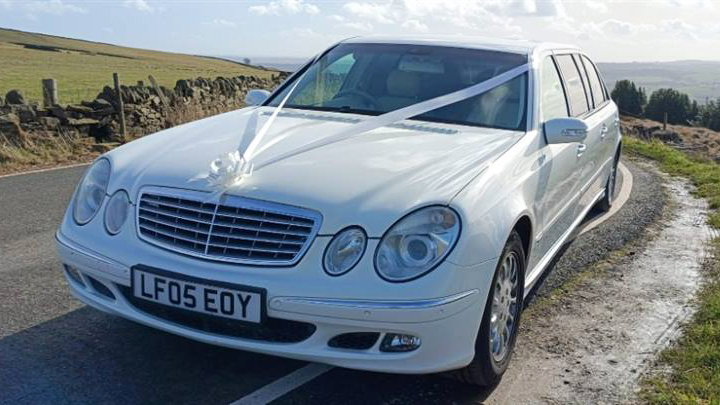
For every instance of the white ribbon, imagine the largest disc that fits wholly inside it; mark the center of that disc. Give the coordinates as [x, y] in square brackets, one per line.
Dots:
[228, 170]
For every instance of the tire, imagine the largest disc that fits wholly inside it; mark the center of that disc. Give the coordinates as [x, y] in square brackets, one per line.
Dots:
[607, 201]
[490, 363]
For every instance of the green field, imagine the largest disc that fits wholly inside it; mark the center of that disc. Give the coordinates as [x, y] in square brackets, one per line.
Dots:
[82, 68]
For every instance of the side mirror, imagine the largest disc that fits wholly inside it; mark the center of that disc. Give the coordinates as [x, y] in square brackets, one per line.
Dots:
[256, 96]
[565, 130]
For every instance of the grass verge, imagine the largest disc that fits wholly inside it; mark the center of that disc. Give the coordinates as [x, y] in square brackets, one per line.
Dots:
[694, 361]
[703, 173]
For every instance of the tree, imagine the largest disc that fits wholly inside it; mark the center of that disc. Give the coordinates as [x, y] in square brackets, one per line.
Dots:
[694, 112]
[709, 115]
[629, 98]
[677, 106]
[246, 61]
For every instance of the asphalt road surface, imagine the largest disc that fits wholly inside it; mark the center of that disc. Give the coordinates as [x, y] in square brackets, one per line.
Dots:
[53, 349]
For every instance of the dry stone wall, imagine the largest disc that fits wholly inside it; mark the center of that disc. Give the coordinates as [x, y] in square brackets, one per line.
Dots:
[146, 110]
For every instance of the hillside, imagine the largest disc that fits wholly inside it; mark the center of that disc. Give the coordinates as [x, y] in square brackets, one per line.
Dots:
[699, 79]
[83, 67]
[700, 142]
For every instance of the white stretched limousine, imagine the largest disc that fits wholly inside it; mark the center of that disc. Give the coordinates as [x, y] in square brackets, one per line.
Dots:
[387, 208]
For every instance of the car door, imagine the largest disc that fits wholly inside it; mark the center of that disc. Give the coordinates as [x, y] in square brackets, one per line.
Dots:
[581, 107]
[606, 113]
[556, 202]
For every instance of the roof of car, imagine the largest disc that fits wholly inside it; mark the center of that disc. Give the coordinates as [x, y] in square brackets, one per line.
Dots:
[497, 44]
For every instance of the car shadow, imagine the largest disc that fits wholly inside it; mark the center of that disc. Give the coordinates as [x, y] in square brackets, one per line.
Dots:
[87, 356]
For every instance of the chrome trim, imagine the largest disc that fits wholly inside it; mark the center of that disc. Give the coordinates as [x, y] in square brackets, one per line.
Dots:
[373, 304]
[232, 201]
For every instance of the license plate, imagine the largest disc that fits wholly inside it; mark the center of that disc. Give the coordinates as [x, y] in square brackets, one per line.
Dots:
[199, 295]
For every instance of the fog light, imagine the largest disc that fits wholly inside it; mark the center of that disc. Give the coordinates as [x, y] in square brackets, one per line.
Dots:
[395, 342]
[74, 274]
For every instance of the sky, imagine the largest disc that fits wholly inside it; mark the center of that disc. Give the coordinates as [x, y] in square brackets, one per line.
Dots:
[609, 30]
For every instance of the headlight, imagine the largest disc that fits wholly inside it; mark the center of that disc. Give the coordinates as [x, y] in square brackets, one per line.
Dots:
[417, 243]
[344, 251]
[116, 212]
[91, 192]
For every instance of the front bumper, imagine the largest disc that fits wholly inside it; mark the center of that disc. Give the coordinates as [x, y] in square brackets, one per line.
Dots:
[447, 326]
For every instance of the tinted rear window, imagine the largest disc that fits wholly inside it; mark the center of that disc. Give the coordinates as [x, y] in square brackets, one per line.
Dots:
[595, 84]
[574, 85]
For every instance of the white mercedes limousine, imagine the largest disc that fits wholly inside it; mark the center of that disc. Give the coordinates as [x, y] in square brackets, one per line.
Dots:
[387, 208]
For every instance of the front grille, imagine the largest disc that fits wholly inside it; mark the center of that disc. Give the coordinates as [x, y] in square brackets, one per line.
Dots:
[274, 330]
[236, 229]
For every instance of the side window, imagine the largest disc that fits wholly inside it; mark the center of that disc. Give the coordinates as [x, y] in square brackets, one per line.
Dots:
[574, 85]
[595, 83]
[586, 83]
[553, 103]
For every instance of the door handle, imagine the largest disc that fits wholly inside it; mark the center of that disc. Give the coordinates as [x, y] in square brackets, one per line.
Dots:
[617, 122]
[581, 149]
[603, 132]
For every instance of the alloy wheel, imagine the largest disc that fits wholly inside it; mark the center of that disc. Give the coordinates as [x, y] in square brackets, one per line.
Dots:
[504, 307]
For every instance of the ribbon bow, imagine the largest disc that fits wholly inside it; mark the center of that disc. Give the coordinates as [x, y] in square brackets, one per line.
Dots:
[228, 170]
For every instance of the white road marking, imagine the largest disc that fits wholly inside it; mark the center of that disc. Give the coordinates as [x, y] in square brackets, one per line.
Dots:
[49, 169]
[284, 385]
[620, 200]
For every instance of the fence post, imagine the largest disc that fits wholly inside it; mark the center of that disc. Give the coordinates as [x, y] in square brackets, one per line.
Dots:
[50, 96]
[159, 92]
[121, 105]
[665, 122]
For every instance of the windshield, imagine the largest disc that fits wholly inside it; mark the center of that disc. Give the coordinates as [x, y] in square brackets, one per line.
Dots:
[377, 78]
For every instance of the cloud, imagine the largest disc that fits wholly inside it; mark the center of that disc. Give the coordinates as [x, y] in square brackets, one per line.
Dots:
[376, 12]
[709, 4]
[537, 8]
[304, 33]
[336, 18]
[596, 6]
[56, 7]
[415, 25]
[139, 5]
[223, 23]
[713, 29]
[607, 29]
[679, 29]
[618, 27]
[285, 7]
[357, 25]
[490, 16]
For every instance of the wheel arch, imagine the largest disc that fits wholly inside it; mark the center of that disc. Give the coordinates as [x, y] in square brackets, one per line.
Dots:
[524, 227]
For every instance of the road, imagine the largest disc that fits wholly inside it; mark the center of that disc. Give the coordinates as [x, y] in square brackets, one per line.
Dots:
[55, 350]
